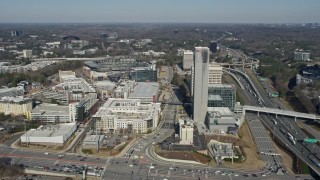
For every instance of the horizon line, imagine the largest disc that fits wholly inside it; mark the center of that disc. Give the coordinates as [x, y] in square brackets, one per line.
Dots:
[159, 22]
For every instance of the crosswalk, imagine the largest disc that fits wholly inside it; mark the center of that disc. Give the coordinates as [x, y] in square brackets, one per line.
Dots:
[135, 150]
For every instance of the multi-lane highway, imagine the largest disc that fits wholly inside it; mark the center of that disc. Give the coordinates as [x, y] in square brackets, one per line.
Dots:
[266, 149]
[141, 162]
[147, 166]
[283, 128]
[263, 100]
[124, 168]
[51, 162]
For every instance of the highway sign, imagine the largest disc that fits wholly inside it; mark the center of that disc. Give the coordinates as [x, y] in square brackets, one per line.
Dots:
[262, 78]
[309, 140]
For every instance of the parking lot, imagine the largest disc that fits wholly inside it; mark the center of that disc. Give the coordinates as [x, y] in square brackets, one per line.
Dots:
[266, 148]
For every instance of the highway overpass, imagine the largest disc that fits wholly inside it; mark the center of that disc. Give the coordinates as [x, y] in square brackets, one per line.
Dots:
[234, 77]
[69, 59]
[280, 112]
[248, 79]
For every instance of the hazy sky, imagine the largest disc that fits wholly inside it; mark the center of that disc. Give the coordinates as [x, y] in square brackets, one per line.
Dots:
[211, 11]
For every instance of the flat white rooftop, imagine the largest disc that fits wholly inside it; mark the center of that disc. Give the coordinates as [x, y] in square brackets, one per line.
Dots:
[2, 90]
[93, 139]
[145, 89]
[51, 109]
[222, 111]
[17, 99]
[50, 130]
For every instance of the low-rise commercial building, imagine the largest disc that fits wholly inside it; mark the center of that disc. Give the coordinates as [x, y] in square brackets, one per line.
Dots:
[15, 105]
[124, 89]
[49, 96]
[144, 74]
[13, 92]
[128, 114]
[301, 56]
[27, 53]
[49, 134]
[66, 75]
[147, 92]
[104, 88]
[33, 66]
[74, 85]
[94, 75]
[53, 45]
[93, 141]
[186, 131]
[219, 151]
[51, 113]
[219, 119]
[107, 68]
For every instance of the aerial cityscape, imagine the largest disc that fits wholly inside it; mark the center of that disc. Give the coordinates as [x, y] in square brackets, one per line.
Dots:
[159, 90]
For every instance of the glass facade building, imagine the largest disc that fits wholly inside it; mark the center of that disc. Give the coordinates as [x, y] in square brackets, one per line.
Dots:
[222, 95]
[143, 75]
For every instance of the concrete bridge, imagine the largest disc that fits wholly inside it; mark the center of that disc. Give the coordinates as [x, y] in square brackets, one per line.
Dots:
[280, 112]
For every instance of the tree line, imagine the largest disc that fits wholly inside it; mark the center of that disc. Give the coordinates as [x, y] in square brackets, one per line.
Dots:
[38, 76]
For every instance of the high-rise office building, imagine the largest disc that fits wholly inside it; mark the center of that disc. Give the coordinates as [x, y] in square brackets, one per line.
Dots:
[215, 73]
[213, 46]
[201, 68]
[192, 81]
[187, 60]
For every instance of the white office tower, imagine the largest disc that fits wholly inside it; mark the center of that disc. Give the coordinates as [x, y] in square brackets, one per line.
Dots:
[192, 80]
[200, 94]
[215, 73]
[187, 60]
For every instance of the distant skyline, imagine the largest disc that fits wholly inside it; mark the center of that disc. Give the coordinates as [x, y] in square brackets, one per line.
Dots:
[159, 11]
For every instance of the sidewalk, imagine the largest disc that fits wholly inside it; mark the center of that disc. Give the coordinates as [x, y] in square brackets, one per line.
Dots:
[76, 140]
[29, 171]
[128, 146]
